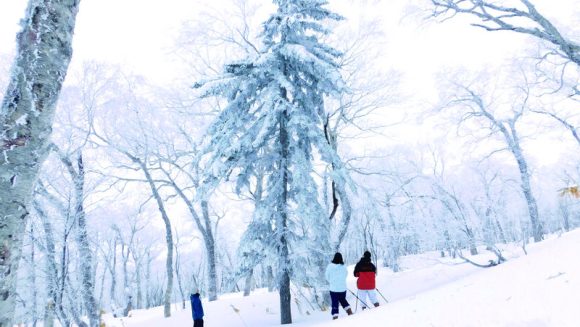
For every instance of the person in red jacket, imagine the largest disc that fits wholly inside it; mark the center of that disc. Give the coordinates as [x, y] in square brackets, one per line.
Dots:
[366, 272]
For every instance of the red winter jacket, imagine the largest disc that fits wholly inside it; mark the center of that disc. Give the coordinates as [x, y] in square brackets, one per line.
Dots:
[366, 272]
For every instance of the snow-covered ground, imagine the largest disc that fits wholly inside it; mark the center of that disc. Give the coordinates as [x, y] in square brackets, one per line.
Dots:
[538, 289]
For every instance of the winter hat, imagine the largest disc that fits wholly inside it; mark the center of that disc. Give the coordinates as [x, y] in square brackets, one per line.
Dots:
[367, 255]
[338, 259]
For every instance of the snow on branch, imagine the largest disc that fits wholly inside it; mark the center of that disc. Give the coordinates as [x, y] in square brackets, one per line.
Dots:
[525, 19]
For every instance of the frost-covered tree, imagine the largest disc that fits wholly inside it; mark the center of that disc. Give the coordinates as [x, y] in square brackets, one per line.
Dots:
[520, 16]
[523, 17]
[43, 54]
[480, 107]
[76, 169]
[273, 123]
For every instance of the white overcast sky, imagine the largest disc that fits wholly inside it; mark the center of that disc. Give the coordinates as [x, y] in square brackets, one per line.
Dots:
[135, 32]
[140, 34]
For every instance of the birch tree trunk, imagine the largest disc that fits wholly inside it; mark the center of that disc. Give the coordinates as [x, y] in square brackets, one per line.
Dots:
[86, 261]
[54, 304]
[178, 274]
[77, 175]
[509, 133]
[138, 260]
[43, 54]
[526, 186]
[168, 236]
[148, 281]
[205, 228]
[113, 271]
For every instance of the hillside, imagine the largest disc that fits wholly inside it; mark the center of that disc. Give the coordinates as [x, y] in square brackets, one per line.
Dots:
[538, 289]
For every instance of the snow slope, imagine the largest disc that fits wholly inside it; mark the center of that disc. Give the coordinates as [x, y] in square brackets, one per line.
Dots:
[540, 289]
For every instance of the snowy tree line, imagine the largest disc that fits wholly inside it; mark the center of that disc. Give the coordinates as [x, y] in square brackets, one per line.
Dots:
[144, 193]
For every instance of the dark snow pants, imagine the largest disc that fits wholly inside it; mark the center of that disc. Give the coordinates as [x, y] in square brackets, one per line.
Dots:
[198, 323]
[335, 298]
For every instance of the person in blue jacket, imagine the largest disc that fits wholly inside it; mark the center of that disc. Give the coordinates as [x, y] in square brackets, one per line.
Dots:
[196, 310]
[336, 277]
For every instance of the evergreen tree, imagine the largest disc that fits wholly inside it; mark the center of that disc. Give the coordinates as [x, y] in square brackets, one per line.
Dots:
[273, 123]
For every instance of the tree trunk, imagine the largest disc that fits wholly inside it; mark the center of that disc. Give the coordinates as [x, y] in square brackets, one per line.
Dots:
[501, 233]
[526, 185]
[86, 255]
[178, 275]
[208, 238]
[102, 284]
[281, 226]
[270, 278]
[565, 216]
[168, 239]
[346, 214]
[126, 289]
[49, 314]
[32, 272]
[211, 254]
[139, 303]
[54, 296]
[394, 250]
[337, 189]
[148, 282]
[248, 283]
[114, 274]
[43, 54]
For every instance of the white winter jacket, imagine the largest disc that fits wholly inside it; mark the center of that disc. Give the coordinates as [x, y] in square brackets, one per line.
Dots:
[336, 277]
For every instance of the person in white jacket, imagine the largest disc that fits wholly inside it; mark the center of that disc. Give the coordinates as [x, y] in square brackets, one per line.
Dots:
[336, 277]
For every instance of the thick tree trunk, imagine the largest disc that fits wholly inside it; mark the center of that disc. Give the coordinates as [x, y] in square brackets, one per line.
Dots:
[248, 283]
[43, 55]
[211, 254]
[281, 226]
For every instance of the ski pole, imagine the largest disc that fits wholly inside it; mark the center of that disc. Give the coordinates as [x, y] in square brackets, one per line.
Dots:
[361, 301]
[382, 295]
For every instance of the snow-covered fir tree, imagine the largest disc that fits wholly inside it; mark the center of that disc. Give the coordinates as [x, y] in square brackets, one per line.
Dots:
[273, 125]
